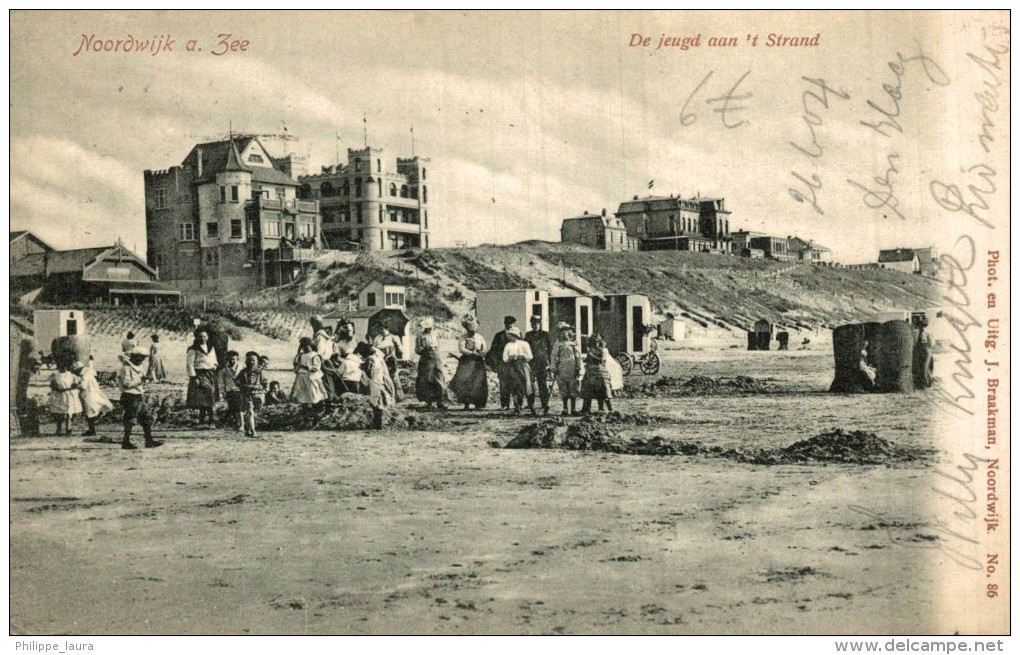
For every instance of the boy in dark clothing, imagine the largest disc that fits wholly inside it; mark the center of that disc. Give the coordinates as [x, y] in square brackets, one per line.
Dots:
[131, 379]
[252, 386]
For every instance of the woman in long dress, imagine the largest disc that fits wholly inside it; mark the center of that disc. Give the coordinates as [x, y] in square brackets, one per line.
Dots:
[94, 402]
[517, 356]
[201, 365]
[389, 345]
[430, 385]
[308, 388]
[156, 372]
[469, 383]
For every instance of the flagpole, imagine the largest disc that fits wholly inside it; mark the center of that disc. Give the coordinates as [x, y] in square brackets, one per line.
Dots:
[337, 144]
[365, 119]
[412, 141]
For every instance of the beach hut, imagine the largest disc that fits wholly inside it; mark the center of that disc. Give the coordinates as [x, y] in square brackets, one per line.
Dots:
[367, 320]
[575, 310]
[491, 305]
[622, 319]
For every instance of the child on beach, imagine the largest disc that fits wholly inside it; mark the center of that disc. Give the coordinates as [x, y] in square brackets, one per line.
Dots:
[252, 385]
[566, 368]
[64, 400]
[94, 402]
[596, 384]
[131, 380]
[228, 387]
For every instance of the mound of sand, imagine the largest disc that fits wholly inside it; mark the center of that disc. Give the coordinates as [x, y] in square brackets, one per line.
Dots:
[699, 385]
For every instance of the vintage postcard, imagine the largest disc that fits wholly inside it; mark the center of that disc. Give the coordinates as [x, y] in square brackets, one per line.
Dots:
[500, 323]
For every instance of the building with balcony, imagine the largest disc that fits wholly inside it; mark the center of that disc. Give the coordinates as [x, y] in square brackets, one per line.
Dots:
[675, 223]
[229, 219]
[372, 203]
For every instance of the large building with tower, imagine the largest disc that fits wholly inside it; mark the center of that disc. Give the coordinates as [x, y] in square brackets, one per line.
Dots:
[371, 202]
[229, 219]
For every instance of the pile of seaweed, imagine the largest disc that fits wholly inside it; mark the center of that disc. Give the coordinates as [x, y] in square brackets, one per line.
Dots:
[607, 434]
[699, 385]
[348, 412]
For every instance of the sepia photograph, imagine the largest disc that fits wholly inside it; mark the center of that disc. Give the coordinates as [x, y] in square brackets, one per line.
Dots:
[383, 322]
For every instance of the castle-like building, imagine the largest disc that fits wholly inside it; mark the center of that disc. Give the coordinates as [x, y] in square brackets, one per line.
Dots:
[228, 218]
[372, 203]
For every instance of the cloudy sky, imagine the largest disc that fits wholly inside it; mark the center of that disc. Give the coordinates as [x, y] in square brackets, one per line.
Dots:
[527, 118]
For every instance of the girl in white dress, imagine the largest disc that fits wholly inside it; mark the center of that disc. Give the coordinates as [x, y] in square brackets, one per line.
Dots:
[308, 388]
[64, 400]
[94, 402]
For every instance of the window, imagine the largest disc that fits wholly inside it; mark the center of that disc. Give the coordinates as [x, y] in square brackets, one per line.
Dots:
[403, 191]
[223, 194]
[357, 165]
[212, 257]
[423, 171]
[370, 299]
[271, 228]
[281, 193]
[235, 228]
[257, 159]
[347, 188]
[161, 198]
[359, 214]
[380, 214]
[425, 194]
[357, 188]
[393, 216]
[426, 219]
[378, 165]
[253, 227]
[212, 230]
[187, 232]
[380, 186]
[393, 189]
[233, 193]
[306, 229]
[344, 216]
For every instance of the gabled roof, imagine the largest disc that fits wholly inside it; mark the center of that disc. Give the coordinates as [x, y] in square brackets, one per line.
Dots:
[17, 234]
[796, 244]
[896, 255]
[222, 156]
[74, 261]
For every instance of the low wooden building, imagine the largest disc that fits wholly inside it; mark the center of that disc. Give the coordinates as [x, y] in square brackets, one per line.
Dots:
[108, 274]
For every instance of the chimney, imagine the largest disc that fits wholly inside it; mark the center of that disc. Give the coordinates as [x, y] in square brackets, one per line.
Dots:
[635, 197]
[603, 212]
[200, 162]
[585, 212]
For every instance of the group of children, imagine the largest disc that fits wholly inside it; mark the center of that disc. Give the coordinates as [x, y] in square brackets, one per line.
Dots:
[331, 363]
[74, 389]
[246, 389]
[591, 377]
